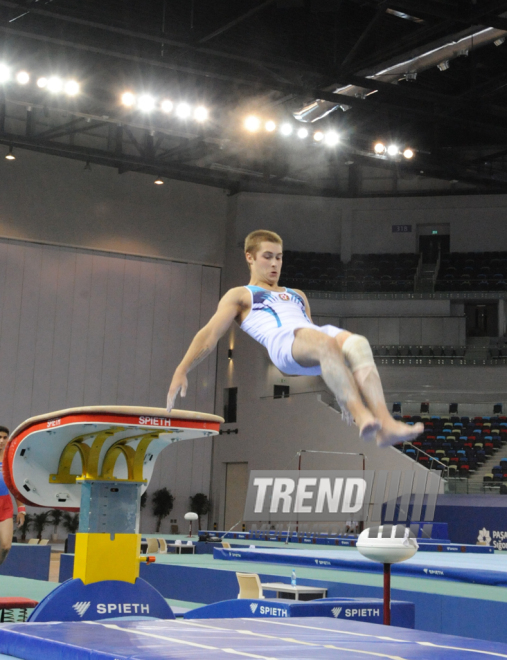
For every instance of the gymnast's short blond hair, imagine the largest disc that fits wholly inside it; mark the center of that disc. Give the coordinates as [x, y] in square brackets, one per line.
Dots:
[255, 238]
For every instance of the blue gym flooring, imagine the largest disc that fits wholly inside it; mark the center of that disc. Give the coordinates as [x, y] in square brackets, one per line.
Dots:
[318, 639]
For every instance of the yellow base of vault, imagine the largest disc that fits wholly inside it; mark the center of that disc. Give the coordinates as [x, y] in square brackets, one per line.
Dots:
[107, 557]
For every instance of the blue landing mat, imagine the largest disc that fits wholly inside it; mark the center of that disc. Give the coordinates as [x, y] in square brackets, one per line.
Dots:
[319, 639]
[476, 569]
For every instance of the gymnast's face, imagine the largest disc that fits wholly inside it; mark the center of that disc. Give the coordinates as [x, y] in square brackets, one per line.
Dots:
[3, 441]
[267, 263]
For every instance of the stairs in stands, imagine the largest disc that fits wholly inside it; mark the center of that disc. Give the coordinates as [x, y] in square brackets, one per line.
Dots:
[475, 480]
[425, 282]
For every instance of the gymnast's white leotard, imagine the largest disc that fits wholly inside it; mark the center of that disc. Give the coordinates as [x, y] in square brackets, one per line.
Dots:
[274, 317]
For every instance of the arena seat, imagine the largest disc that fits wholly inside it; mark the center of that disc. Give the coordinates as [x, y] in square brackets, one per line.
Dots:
[480, 271]
[367, 273]
[444, 440]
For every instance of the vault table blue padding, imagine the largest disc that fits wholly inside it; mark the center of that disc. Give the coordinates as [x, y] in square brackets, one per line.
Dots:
[474, 569]
[319, 639]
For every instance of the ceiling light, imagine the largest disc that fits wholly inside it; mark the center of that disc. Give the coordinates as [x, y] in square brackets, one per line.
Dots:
[5, 73]
[302, 133]
[285, 129]
[443, 66]
[183, 110]
[10, 155]
[252, 124]
[200, 113]
[42, 82]
[22, 77]
[499, 42]
[392, 150]
[146, 103]
[318, 136]
[332, 138]
[408, 153]
[71, 88]
[166, 105]
[55, 84]
[128, 99]
[158, 181]
[379, 148]
[270, 126]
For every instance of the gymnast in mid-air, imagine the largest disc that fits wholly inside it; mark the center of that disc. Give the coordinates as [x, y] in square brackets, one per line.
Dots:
[280, 319]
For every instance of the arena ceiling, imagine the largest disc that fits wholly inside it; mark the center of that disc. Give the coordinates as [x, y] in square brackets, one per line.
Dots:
[426, 74]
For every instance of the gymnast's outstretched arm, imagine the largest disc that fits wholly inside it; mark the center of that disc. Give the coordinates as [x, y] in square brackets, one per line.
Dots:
[205, 341]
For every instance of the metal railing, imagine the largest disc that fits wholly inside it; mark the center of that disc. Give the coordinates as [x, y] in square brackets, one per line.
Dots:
[445, 468]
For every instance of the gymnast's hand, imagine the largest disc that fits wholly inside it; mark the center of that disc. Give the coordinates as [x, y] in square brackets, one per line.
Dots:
[179, 384]
[20, 518]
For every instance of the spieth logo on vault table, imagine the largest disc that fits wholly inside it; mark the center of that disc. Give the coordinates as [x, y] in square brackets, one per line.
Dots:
[316, 495]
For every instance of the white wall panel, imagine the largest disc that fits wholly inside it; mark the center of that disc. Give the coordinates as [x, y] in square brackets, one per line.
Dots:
[144, 332]
[62, 340]
[45, 330]
[127, 338]
[432, 331]
[112, 330]
[410, 331]
[388, 331]
[23, 380]
[10, 328]
[79, 330]
[96, 331]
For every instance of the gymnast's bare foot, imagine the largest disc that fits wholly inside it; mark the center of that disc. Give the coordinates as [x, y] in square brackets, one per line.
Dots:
[370, 429]
[393, 432]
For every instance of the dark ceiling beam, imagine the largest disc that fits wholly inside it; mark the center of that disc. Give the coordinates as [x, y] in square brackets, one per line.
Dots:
[56, 129]
[392, 90]
[437, 168]
[487, 158]
[149, 37]
[427, 113]
[379, 13]
[206, 73]
[227, 179]
[486, 88]
[133, 139]
[181, 172]
[77, 130]
[235, 21]
[485, 16]
[408, 90]
[370, 105]
[426, 34]
[401, 46]
[70, 128]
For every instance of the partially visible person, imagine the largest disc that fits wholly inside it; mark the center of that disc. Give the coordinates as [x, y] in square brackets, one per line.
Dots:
[351, 527]
[6, 508]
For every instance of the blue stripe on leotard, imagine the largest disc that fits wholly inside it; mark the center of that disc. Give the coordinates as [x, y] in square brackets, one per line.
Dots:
[3, 488]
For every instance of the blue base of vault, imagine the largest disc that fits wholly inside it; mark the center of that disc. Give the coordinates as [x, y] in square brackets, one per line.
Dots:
[351, 609]
[75, 601]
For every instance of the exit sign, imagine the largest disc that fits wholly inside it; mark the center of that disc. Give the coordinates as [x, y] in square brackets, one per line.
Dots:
[402, 229]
